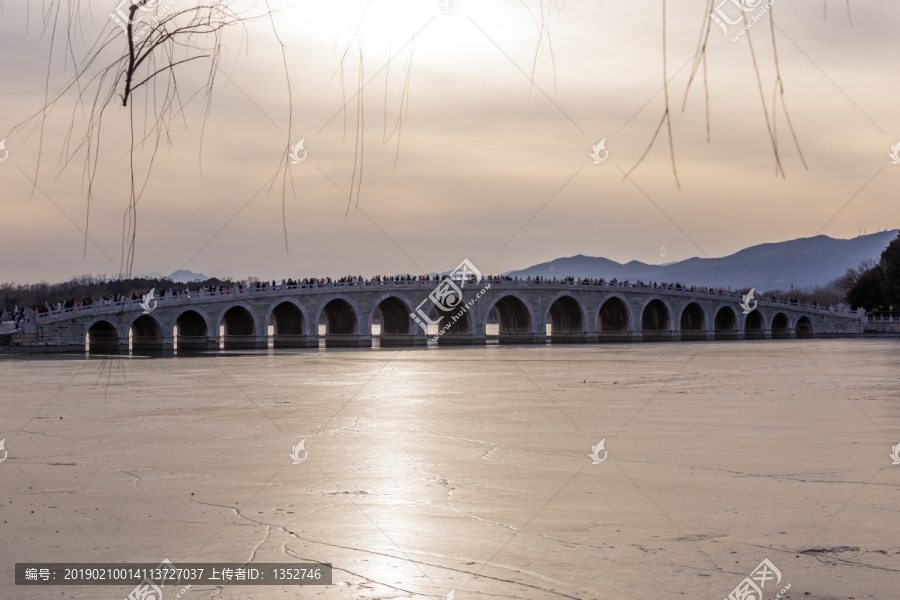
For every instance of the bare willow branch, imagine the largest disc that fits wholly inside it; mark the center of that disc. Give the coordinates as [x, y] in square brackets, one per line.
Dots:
[667, 114]
[779, 90]
[146, 60]
[700, 61]
[356, 182]
[778, 166]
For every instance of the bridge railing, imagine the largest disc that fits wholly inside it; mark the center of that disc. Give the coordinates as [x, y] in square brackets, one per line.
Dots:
[174, 298]
[890, 317]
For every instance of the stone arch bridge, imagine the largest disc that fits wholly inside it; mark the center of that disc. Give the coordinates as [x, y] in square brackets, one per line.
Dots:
[514, 310]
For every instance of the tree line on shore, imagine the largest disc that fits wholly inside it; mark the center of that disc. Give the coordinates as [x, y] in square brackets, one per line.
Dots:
[875, 286]
[89, 286]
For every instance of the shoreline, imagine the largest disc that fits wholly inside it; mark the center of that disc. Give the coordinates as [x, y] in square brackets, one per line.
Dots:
[50, 350]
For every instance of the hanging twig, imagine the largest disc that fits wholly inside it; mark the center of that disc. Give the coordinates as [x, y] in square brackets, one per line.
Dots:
[155, 49]
[779, 90]
[667, 115]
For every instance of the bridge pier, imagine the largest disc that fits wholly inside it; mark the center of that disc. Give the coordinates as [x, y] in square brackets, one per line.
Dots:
[196, 342]
[401, 339]
[781, 334]
[571, 337]
[618, 337]
[286, 340]
[462, 339]
[694, 335]
[727, 334]
[245, 342]
[112, 345]
[152, 345]
[522, 338]
[347, 340]
[649, 335]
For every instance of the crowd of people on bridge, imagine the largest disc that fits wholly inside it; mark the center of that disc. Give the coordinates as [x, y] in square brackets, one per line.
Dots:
[212, 290]
[261, 286]
[106, 300]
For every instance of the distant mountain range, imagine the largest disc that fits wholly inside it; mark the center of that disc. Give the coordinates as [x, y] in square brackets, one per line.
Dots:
[802, 262]
[179, 276]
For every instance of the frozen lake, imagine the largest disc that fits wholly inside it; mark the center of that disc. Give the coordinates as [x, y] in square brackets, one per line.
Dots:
[466, 469]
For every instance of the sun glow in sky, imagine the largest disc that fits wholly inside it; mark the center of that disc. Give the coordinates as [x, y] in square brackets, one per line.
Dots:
[471, 139]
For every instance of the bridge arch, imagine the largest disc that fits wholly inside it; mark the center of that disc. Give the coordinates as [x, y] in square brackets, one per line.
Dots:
[147, 324]
[725, 323]
[515, 315]
[804, 327]
[239, 325]
[394, 310]
[101, 335]
[693, 322]
[342, 320]
[290, 323]
[147, 332]
[614, 319]
[568, 318]
[754, 325]
[193, 329]
[656, 320]
[781, 326]
[458, 330]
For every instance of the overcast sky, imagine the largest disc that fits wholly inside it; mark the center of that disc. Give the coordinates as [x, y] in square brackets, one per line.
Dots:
[492, 166]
